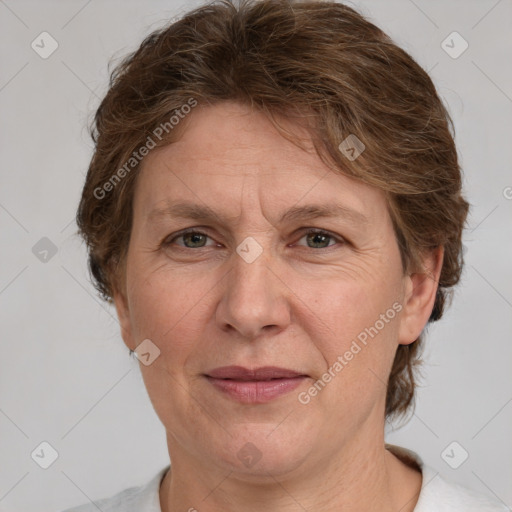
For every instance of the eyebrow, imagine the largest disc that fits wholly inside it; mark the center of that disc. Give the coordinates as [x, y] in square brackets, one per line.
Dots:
[188, 210]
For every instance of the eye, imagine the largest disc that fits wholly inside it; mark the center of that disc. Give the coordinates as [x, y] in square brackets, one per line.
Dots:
[192, 239]
[319, 239]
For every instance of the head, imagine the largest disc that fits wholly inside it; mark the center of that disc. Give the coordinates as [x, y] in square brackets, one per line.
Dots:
[251, 111]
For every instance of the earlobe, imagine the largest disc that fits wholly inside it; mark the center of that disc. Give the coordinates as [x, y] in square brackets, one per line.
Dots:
[420, 296]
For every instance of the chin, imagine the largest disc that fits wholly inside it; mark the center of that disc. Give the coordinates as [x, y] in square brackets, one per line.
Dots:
[260, 453]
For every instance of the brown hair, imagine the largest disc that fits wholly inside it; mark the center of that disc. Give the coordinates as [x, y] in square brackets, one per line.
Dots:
[319, 61]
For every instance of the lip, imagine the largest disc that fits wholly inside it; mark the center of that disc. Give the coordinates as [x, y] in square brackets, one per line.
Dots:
[254, 386]
[262, 373]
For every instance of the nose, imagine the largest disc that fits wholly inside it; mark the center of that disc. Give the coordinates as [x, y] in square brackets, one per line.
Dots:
[254, 298]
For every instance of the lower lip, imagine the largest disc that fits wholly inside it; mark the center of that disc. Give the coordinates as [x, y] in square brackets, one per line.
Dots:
[256, 392]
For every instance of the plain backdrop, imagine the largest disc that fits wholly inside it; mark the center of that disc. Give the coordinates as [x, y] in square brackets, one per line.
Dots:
[65, 375]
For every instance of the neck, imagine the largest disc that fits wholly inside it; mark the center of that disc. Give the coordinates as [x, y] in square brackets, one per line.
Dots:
[362, 477]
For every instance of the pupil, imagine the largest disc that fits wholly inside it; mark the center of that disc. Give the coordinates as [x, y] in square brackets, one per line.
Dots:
[194, 238]
[318, 237]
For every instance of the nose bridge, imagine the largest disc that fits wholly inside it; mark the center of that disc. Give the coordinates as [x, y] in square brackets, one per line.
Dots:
[253, 298]
[250, 264]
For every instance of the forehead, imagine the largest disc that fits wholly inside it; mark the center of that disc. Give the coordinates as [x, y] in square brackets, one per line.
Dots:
[231, 156]
[235, 133]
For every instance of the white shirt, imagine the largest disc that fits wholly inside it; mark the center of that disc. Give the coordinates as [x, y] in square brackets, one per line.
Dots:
[436, 495]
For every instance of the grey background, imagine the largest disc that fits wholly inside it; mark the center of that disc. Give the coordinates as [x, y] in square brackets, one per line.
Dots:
[65, 375]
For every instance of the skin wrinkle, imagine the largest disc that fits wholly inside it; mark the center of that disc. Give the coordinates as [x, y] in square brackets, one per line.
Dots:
[214, 309]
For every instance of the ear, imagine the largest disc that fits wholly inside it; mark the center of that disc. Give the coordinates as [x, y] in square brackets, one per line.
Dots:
[123, 313]
[419, 297]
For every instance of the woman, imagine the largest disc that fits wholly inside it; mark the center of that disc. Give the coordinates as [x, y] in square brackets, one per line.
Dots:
[274, 207]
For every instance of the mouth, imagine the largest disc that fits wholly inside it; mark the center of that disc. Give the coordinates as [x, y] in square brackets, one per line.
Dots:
[259, 385]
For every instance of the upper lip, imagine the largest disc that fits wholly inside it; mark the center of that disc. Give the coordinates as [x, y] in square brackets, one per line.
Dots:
[262, 373]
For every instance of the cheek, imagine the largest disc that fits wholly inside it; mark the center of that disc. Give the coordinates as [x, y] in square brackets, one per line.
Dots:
[167, 310]
[358, 350]
[172, 307]
[348, 300]
[358, 326]
[354, 324]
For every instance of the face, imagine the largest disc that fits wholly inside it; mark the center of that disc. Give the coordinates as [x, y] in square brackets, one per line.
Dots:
[271, 279]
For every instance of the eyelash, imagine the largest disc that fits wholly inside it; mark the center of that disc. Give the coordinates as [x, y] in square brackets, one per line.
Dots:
[309, 231]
